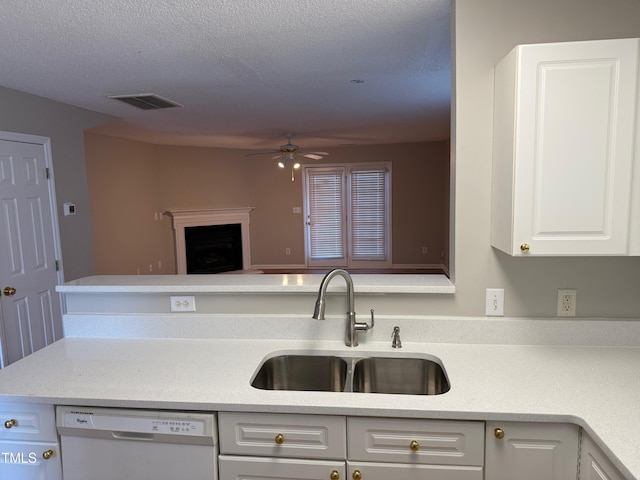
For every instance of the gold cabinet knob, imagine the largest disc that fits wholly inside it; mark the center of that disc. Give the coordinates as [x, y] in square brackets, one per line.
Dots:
[335, 475]
[356, 475]
[279, 439]
[9, 291]
[47, 454]
[498, 433]
[10, 423]
[525, 247]
[414, 446]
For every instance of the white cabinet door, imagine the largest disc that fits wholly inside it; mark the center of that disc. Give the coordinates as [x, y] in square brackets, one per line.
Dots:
[531, 451]
[26, 421]
[257, 468]
[30, 461]
[29, 448]
[594, 464]
[413, 441]
[283, 435]
[399, 471]
[564, 127]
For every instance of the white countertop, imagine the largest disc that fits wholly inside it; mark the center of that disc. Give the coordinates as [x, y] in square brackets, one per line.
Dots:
[594, 387]
[255, 283]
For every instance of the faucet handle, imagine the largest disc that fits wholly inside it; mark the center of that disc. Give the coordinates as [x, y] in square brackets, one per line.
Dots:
[362, 326]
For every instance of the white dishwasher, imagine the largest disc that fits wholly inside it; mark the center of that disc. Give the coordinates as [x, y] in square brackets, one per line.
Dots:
[125, 444]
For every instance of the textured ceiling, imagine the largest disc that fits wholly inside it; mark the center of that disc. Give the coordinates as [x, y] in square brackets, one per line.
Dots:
[246, 71]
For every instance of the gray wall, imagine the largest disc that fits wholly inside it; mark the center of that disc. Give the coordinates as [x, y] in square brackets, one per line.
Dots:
[486, 30]
[64, 124]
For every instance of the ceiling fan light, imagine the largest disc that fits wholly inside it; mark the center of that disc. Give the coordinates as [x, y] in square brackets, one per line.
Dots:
[296, 165]
[281, 164]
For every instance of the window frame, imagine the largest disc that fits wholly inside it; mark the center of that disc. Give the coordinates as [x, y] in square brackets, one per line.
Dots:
[349, 260]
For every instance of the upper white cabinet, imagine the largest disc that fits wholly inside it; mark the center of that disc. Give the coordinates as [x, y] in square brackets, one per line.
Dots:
[563, 149]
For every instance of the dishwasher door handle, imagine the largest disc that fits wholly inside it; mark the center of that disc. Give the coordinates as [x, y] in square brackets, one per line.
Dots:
[146, 437]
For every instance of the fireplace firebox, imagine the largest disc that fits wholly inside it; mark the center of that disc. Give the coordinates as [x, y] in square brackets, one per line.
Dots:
[213, 248]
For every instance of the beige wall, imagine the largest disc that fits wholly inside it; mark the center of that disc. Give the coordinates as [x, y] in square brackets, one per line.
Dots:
[130, 236]
[64, 125]
[130, 181]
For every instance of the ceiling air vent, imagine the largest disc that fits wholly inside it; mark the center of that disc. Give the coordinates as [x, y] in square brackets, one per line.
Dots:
[146, 101]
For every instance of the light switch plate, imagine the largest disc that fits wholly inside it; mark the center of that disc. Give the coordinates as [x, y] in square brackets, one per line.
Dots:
[494, 306]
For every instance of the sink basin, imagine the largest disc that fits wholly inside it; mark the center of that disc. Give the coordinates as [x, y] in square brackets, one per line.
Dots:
[409, 376]
[319, 373]
[332, 373]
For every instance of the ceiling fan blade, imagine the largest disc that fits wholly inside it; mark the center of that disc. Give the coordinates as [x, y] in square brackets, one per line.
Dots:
[263, 153]
[315, 155]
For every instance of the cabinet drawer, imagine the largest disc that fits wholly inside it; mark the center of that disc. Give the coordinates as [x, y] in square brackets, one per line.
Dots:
[24, 421]
[243, 468]
[416, 441]
[400, 471]
[283, 435]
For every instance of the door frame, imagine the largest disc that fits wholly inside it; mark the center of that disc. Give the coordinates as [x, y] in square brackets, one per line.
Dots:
[46, 144]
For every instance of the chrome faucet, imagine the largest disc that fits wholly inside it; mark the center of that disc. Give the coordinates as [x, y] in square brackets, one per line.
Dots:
[353, 327]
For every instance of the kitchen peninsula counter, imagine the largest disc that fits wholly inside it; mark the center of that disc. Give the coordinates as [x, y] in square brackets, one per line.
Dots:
[583, 372]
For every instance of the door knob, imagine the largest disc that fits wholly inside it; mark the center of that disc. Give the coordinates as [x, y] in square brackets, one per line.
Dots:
[9, 291]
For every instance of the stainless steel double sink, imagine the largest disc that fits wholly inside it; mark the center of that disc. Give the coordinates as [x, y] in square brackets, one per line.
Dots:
[364, 374]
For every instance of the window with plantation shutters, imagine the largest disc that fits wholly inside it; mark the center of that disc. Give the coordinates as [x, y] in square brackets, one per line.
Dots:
[348, 215]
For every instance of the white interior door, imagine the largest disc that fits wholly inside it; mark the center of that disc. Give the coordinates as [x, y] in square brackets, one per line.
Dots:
[30, 313]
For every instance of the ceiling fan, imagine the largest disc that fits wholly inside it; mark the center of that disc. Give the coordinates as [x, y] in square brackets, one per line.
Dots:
[288, 153]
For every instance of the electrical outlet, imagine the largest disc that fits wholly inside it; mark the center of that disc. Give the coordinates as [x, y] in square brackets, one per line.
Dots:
[424, 250]
[494, 306]
[567, 302]
[183, 304]
[287, 251]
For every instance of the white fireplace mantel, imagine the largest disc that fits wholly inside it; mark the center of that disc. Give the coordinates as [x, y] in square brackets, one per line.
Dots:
[216, 216]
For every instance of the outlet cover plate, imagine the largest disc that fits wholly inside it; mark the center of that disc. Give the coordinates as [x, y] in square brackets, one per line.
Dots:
[566, 302]
[183, 303]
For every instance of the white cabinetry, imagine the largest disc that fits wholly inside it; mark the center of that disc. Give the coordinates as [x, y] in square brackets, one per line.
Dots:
[281, 446]
[531, 451]
[594, 465]
[315, 447]
[563, 149]
[29, 448]
[405, 449]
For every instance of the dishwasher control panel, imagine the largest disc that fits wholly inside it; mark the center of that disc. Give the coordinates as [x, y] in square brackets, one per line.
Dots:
[120, 421]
